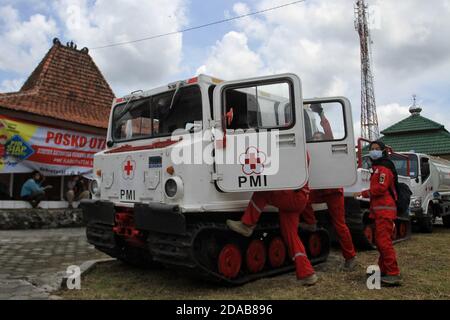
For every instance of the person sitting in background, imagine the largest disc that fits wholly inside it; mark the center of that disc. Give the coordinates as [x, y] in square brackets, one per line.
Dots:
[32, 190]
[4, 192]
[77, 190]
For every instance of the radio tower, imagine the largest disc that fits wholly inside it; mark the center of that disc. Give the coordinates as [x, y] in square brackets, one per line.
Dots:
[369, 119]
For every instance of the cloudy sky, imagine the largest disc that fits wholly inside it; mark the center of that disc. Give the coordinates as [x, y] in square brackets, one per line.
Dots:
[315, 39]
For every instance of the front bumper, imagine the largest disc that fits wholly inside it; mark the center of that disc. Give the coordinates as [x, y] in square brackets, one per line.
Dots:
[416, 213]
[154, 217]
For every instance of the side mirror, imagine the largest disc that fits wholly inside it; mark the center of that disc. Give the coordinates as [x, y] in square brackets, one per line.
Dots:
[110, 144]
[417, 180]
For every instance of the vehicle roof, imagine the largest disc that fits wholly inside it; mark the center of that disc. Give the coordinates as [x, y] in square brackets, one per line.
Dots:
[202, 78]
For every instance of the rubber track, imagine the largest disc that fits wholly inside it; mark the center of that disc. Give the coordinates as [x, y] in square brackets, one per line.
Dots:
[183, 252]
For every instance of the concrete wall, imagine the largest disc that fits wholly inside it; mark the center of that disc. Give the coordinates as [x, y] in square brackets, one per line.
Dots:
[22, 219]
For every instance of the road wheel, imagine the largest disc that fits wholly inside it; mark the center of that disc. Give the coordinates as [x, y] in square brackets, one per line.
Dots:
[369, 233]
[426, 223]
[277, 252]
[230, 261]
[394, 232]
[256, 256]
[315, 245]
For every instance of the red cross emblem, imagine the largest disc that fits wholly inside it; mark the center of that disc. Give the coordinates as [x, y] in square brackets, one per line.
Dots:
[128, 167]
[252, 161]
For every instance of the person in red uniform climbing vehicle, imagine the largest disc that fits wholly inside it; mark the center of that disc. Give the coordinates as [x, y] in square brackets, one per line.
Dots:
[334, 198]
[383, 210]
[291, 204]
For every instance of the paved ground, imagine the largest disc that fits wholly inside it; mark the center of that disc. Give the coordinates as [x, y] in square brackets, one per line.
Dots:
[32, 262]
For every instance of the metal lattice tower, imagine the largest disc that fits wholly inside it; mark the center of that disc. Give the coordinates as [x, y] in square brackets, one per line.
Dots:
[369, 118]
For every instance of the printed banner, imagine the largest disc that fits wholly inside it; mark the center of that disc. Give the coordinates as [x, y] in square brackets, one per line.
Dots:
[25, 147]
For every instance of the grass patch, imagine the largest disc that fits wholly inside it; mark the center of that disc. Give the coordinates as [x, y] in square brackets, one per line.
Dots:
[424, 261]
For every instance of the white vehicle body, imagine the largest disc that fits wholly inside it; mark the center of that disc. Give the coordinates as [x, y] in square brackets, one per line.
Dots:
[137, 170]
[430, 184]
[363, 183]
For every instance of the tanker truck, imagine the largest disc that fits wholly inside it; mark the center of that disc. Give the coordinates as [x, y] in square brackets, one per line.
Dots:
[183, 158]
[430, 184]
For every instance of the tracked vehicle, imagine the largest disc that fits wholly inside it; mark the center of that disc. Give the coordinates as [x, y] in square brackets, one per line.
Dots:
[184, 158]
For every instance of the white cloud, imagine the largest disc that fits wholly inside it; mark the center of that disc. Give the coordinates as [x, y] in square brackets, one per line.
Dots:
[232, 58]
[287, 40]
[390, 114]
[317, 40]
[23, 43]
[11, 85]
[135, 66]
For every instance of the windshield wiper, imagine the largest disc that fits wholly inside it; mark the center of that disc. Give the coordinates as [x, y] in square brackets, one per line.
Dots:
[127, 106]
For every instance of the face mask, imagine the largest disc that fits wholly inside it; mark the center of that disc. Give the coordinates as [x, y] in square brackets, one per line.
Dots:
[376, 154]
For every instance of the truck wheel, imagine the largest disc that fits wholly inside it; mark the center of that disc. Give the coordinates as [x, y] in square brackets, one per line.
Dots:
[446, 221]
[426, 224]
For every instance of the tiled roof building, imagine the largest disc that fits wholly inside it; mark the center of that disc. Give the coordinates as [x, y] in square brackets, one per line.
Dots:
[67, 85]
[419, 134]
[66, 94]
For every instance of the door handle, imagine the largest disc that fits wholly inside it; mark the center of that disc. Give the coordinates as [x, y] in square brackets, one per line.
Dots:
[286, 139]
[339, 148]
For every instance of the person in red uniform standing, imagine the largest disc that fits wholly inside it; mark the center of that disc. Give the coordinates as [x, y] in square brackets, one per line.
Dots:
[334, 198]
[383, 210]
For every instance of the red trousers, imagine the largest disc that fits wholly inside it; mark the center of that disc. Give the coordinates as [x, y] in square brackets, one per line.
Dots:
[336, 207]
[290, 204]
[383, 238]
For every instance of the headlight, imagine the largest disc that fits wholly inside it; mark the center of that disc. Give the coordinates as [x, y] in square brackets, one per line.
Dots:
[174, 188]
[94, 188]
[416, 203]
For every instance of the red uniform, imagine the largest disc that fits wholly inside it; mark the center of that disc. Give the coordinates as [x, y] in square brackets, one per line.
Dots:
[384, 210]
[290, 205]
[334, 198]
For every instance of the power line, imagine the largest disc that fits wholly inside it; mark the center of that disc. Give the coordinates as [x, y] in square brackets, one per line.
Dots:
[197, 27]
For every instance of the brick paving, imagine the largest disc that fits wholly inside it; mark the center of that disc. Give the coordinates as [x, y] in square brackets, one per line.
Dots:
[33, 262]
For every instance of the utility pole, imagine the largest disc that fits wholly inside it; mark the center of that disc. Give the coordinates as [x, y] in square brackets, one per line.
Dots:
[369, 118]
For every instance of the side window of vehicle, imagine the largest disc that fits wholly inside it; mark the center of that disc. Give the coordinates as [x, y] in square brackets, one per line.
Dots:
[259, 107]
[324, 122]
[425, 168]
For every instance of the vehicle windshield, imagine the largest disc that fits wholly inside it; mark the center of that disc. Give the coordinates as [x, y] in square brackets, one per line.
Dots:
[153, 117]
[401, 164]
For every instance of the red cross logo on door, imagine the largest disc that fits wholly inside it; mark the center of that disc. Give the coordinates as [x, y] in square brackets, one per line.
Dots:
[128, 168]
[253, 161]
